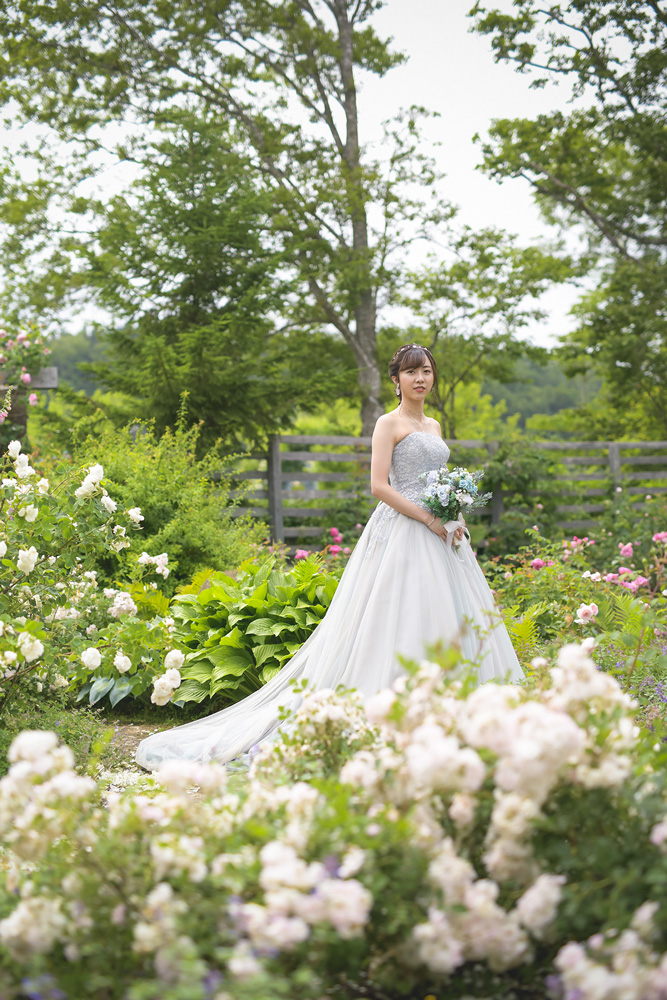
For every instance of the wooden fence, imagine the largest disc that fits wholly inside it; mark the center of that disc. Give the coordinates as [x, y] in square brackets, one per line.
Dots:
[303, 480]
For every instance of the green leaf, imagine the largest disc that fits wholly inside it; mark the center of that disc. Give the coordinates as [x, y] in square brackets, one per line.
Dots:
[100, 687]
[265, 651]
[121, 688]
[266, 626]
[192, 690]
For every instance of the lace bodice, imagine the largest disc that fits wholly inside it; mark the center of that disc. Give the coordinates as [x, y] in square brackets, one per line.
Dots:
[415, 454]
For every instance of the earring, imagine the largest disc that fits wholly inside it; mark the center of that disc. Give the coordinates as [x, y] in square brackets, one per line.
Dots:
[398, 391]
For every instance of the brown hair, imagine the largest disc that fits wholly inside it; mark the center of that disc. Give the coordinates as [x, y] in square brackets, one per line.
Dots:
[413, 356]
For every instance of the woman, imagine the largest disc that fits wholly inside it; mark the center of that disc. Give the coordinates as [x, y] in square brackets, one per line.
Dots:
[407, 584]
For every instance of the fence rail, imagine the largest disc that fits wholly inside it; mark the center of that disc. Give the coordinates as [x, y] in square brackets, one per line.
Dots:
[302, 480]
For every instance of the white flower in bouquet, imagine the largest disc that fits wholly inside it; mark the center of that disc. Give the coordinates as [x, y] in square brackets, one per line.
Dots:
[121, 662]
[91, 658]
[31, 648]
[27, 559]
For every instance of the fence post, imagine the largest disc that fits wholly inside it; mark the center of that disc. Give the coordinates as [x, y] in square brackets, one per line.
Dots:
[497, 498]
[615, 461]
[275, 489]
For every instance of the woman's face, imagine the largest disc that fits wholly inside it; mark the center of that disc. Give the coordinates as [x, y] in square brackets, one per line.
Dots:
[416, 383]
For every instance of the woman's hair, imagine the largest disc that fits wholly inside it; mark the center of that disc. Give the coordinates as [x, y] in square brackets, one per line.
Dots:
[413, 356]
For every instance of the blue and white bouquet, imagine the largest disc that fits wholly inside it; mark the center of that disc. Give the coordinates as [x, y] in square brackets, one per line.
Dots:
[449, 495]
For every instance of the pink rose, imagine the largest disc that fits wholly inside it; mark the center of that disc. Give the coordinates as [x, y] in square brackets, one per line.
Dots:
[586, 613]
[333, 532]
[33, 399]
[660, 536]
[625, 550]
[624, 569]
[610, 577]
[346, 551]
[301, 554]
[47, 350]
[334, 550]
[21, 337]
[640, 581]
[26, 378]
[538, 563]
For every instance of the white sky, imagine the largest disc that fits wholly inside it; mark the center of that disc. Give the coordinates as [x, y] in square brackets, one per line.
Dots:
[451, 70]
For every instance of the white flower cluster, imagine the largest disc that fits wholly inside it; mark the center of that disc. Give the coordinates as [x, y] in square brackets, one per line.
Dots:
[122, 605]
[160, 562]
[613, 966]
[165, 685]
[91, 482]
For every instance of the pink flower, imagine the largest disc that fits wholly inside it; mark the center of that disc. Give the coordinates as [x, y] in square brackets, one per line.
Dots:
[610, 577]
[21, 337]
[333, 532]
[586, 613]
[640, 581]
[346, 551]
[660, 536]
[624, 569]
[358, 527]
[26, 378]
[301, 554]
[625, 550]
[334, 550]
[47, 350]
[538, 563]
[33, 399]
[3, 417]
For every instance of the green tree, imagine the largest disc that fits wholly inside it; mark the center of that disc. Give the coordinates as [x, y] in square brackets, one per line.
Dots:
[280, 81]
[602, 167]
[470, 313]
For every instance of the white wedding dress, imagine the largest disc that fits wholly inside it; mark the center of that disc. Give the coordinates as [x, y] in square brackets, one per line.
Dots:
[403, 589]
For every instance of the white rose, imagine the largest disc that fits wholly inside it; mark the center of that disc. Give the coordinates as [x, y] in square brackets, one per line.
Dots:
[31, 744]
[121, 662]
[173, 677]
[27, 559]
[3, 550]
[31, 648]
[59, 681]
[174, 658]
[23, 468]
[110, 504]
[13, 449]
[91, 658]
[95, 474]
[87, 488]
[134, 514]
[119, 530]
[162, 691]
[29, 513]
[43, 486]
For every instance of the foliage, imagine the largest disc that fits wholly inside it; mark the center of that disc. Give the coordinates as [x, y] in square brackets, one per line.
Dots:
[184, 499]
[540, 386]
[22, 354]
[602, 167]
[448, 837]
[58, 629]
[240, 631]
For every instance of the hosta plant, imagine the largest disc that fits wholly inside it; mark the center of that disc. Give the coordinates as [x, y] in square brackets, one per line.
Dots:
[240, 631]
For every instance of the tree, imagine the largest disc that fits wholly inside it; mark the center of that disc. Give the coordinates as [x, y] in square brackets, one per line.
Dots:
[469, 313]
[280, 79]
[601, 167]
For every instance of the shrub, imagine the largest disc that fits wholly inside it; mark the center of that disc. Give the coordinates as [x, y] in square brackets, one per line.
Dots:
[455, 839]
[184, 499]
[239, 632]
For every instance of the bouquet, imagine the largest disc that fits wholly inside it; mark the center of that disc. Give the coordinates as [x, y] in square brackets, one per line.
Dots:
[449, 494]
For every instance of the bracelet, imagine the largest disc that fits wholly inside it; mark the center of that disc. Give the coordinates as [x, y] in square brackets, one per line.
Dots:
[431, 521]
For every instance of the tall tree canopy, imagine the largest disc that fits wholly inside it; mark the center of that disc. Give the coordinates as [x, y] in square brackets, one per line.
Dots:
[603, 166]
[264, 92]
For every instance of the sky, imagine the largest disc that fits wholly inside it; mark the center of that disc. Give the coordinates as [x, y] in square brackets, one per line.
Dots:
[451, 71]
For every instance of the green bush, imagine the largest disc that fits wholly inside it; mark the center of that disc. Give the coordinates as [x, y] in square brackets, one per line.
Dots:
[184, 499]
[239, 632]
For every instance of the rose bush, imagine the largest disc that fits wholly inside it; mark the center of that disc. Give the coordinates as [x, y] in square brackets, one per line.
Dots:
[57, 626]
[453, 840]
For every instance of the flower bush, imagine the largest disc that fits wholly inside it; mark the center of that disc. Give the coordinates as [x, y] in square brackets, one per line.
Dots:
[453, 840]
[58, 628]
[22, 354]
[239, 632]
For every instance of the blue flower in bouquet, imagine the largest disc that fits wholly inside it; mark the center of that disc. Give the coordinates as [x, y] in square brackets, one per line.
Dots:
[447, 492]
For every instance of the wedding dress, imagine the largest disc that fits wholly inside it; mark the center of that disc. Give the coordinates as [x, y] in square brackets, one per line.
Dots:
[403, 589]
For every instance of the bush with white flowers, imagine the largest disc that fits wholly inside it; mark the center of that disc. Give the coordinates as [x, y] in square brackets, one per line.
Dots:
[57, 626]
[454, 841]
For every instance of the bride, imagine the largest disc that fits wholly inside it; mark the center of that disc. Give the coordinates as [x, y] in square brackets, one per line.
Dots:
[408, 584]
